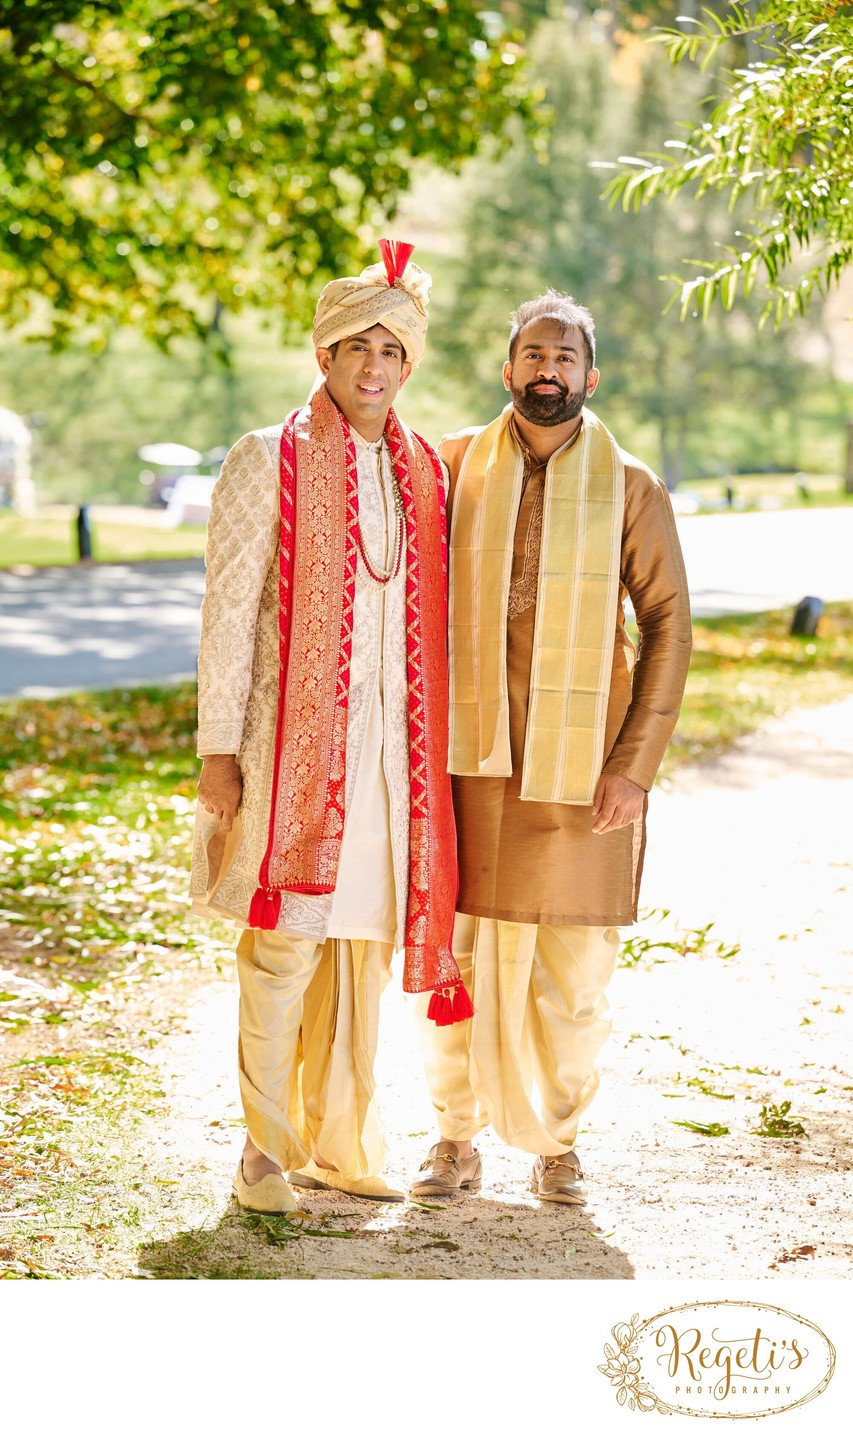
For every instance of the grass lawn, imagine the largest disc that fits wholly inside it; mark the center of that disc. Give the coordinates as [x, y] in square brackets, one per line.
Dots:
[747, 668]
[99, 957]
[98, 951]
[51, 536]
[48, 539]
[769, 491]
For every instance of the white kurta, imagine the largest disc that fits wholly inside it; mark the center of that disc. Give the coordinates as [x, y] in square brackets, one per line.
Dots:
[238, 695]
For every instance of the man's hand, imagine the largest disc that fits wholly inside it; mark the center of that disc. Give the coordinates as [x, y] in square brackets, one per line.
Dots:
[617, 802]
[220, 787]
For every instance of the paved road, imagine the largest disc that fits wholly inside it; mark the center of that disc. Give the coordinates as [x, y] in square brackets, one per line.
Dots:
[99, 627]
[743, 563]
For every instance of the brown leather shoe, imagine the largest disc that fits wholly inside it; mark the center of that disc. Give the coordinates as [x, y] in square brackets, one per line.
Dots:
[444, 1174]
[558, 1179]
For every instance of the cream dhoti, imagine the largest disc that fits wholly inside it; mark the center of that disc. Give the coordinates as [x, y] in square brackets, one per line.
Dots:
[309, 1025]
[540, 1020]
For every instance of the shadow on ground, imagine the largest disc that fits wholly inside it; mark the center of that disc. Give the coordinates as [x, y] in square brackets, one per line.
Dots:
[391, 1241]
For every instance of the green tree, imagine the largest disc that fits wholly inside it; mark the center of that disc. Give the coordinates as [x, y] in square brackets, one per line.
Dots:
[162, 162]
[526, 224]
[778, 145]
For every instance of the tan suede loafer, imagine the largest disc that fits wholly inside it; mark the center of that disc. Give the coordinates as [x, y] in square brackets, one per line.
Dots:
[374, 1188]
[558, 1179]
[270, 1195]
[444, 1174]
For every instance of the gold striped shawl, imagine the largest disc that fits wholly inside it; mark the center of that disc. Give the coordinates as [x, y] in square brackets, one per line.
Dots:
[577, 595]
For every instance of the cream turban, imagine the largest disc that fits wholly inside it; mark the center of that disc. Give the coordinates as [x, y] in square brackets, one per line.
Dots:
[394, 293]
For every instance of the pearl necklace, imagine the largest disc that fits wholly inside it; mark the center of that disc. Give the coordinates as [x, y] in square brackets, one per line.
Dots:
[378, 575]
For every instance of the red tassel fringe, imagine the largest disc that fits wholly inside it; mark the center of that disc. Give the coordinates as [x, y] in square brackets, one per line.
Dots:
[462, 1006]
[264, 909]
[395, 256]
[445, 1009]
[440, 1009]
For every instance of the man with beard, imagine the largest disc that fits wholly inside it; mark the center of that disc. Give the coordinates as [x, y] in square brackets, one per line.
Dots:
[555, 740]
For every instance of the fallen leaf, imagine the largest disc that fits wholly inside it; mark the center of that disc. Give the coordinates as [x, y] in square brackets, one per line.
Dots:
[796, 1254]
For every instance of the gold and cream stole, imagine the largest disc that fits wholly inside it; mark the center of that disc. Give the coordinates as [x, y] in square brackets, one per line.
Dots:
[576, 603]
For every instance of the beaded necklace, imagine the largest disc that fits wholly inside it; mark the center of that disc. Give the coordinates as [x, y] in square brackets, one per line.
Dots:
[377, 574]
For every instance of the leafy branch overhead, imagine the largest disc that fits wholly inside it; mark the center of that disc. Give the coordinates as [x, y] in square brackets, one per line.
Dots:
[161, 162]
[778, 144]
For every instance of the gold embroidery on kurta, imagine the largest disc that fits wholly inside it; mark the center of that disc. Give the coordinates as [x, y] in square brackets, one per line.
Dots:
[522, 589]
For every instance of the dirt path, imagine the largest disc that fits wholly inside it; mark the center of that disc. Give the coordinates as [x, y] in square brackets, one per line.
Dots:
[758, 1014]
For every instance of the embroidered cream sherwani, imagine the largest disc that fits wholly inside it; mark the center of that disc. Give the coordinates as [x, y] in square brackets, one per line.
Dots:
[238, 695]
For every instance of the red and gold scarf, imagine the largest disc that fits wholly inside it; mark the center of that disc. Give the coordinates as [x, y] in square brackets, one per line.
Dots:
[317, 564]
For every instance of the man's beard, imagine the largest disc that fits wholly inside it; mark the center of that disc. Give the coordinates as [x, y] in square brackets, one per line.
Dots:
[547, 409]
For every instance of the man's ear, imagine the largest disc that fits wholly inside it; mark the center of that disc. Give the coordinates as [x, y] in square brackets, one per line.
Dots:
[405, 371]
[507, 374]
[324, 359]
[592, 379]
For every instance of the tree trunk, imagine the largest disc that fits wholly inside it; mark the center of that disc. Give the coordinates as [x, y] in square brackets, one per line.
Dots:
[848, 472]
[673, 451]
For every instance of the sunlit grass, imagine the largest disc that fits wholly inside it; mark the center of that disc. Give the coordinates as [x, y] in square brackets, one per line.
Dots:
[97, 796]
[46, 540]
[96, 808]
[768, 491]
[747, 668]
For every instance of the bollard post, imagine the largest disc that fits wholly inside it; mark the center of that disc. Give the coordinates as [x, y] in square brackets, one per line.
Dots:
[806, 617]
[84, 534]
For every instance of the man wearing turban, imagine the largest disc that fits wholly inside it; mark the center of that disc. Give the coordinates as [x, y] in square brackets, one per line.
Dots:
[325, 826]
[555, 740]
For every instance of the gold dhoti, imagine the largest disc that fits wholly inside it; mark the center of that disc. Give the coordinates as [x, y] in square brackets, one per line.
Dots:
[309, 1024]
[540, 1020]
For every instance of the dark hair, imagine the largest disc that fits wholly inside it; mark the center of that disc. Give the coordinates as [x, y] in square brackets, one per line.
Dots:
[333, 348]
[563, 310]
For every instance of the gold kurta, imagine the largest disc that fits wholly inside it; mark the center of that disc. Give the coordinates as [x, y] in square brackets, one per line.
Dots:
[531, 862]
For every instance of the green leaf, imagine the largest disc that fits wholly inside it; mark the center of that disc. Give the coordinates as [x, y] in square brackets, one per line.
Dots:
[164, 163]
[776, 1122]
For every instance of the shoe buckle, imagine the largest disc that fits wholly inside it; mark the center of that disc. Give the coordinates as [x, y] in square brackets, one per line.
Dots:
[559, 1163]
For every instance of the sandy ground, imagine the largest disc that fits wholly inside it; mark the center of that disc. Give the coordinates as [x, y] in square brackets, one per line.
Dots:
[757, 844]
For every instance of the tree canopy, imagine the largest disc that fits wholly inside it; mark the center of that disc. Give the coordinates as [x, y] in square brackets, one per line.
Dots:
[525, 225]
[162, 161]
[778, 144]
